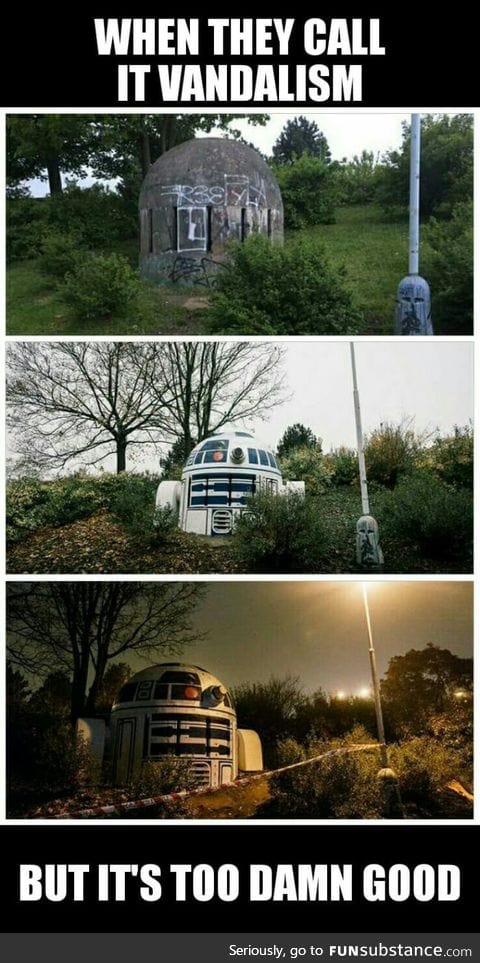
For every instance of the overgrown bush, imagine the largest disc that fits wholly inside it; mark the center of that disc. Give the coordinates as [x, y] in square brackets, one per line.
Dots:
[96, 214]
[101, 284]
[342, 465]
[337, 787]
[448, 266]
[309, 465]
[133, 502]
[307, 190]
[425, 511]
[281, 534]
[32, 504]
[27, 220]
[98, 217]
[273, 289]
[169, 774]
[389, 452]
[425, 765]
[58, 253]
[451, 458]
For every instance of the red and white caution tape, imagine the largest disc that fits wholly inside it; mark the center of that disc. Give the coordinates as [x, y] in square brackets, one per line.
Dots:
[120, 808]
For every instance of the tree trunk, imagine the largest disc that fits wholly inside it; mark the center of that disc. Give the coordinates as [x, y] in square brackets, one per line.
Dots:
[54, 176]
[146, 152]
[121, 454]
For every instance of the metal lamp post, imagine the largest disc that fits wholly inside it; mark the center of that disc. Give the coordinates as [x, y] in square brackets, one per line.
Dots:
[413, 314]
[369, 553]
[391, 802]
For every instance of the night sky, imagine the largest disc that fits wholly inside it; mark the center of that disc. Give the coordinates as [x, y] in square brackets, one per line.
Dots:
[316, 630]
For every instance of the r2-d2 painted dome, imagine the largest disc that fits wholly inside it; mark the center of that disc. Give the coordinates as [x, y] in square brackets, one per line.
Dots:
[180, 710]
[220, 473]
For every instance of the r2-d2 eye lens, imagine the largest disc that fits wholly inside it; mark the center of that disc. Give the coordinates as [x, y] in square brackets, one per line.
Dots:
[237, 454]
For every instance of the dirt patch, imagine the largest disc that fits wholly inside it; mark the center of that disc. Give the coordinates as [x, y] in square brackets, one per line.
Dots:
[196, 304]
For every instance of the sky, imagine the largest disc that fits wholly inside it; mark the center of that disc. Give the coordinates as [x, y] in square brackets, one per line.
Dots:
[316, 630]
[347, 134]
[431, 382]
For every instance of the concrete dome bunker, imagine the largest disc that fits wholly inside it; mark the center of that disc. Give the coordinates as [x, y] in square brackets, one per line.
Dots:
[196, 198]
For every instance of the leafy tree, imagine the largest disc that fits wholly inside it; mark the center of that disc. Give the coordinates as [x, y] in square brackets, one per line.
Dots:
[73, 399]
[447, 262]
[308, 192]
[423, 683]
[78, 628]
[446, 173]
[296, 436]
[45, 145]
[301, 136]
[356, 180]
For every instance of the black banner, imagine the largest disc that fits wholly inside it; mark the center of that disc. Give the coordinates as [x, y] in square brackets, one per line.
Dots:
[374, 899]
[405, 58]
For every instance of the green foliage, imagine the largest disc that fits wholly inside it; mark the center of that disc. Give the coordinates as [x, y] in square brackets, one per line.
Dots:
[389, 452]
[281, 534]
[95, 214]
[426, 511]
[451, 458]
[338, 787]
[307, 191]
[281, 290]
[100, 285]
[33, 504]
[296, 436]
[342, 466]
[448, 265]
[58, 253]
[424, 766]
[166, 775]
[301, 136]
[356, 181]
[133, 503]
[27, 220]
[307, 464]
[446, 177]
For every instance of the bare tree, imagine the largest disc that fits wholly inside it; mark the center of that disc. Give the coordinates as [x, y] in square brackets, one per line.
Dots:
[81, 627]
[71, 399]
[214, 383]
[68, 400]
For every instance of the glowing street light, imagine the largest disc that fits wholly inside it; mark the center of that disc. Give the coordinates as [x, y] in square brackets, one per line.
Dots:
[364, 693]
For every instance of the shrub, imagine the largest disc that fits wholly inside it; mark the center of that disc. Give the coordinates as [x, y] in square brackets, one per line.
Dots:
[281, 534]
[169, 774]
[95, 214]
[448, 265]
[31, 504]
[388, 453]
[308, 465]
[342, 466]
[58, 253]
[424, 765]
[307, 192]
[430, 514]
[27, 220]
[270, 289]
[158, 778]
[99, 285]
[133, 502]
[62, 762]
[339, 787]
[451, 458]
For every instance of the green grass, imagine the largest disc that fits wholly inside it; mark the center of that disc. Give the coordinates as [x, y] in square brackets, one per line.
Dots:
[373, 253]
[375, 257]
